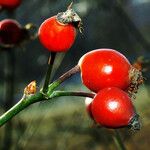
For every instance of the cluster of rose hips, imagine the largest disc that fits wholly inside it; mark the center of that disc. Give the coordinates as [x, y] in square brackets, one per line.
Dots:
[106, 72]
[110, 75]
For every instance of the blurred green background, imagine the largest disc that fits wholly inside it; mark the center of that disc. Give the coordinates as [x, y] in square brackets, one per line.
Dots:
[63, 123]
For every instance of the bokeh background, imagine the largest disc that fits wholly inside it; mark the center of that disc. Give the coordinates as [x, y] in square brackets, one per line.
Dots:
[63, 123]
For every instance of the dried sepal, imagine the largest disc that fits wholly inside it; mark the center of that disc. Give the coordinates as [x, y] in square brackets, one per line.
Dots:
[134, 123]
[136, 78]
[70, 16]
[138, 64]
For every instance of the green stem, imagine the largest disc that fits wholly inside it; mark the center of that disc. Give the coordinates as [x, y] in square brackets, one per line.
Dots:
[70, 93]
[118, 141]
[49, 71]
[26, 101]
[22, 104]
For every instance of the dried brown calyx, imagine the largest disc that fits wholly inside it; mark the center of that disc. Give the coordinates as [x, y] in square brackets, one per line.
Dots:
[136, 78]
[135, 123]
[70, 16]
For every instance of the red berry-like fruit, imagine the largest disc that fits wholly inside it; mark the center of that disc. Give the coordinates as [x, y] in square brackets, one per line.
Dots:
[10, 4]
[55, 36]
[58, 33]
[10, 31]
[104, 68]
[113, 108]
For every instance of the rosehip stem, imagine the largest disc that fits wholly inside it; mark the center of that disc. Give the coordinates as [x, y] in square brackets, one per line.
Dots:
[70, 93]
[49, 71]
[26, 101]
[22, 104]
[118, 141]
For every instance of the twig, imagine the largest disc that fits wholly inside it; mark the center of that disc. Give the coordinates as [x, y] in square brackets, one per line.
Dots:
[118, 141]
[26, 101]
[70, 93]
[49, 71]
[22, 104]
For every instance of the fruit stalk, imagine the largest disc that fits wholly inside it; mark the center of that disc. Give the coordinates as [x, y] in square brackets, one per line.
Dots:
[22, 104]
[49, 71]
[71, 93]
[118, 141]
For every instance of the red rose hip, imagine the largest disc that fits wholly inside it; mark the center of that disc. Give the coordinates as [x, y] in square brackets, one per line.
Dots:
[113, 108]
[10, 4]
[58, 33]
[10, 31]
[104, 68]
[55, 36]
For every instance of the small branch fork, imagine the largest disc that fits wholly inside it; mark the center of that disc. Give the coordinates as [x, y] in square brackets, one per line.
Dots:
[62, 78]
[27, 100]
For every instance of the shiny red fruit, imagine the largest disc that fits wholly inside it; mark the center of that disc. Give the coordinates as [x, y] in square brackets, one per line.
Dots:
[113, 108]
[104, 68]
[56, 36]
[10, 4]
[10, 31]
